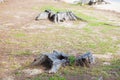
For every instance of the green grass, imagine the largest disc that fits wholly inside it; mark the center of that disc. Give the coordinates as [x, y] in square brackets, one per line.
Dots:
[85, 17]
[65, 39]
[57, 78]
[50, 7]
[115, 62]
[48, 77]
[88, 30]
[19, 35]
[95, 23]
[72, 60]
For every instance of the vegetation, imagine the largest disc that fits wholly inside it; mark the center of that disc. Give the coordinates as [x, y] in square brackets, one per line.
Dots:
[72, 60]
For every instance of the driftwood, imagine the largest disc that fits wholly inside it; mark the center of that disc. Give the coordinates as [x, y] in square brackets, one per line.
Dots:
[58, 17]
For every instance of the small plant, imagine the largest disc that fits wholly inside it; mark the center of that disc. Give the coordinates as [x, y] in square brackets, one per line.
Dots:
[37, 78]
[57, 78]
[17, 73]
[71, 60]
[19, 34]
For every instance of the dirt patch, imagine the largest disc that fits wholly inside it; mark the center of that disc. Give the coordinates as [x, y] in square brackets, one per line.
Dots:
[31, 72]
[104, 56]
[8, 78]
[71, 24]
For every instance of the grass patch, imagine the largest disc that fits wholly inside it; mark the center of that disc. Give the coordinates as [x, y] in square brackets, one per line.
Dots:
[72, 60]
[64, 39]
[49, 77]
[85, 17]
[103, 47]
[50, 7]
[98, 72]
[57, 78]
[19, 35]
[87, 29]
[115, 62]
[108, 28]
[95, 23]
[22, 52]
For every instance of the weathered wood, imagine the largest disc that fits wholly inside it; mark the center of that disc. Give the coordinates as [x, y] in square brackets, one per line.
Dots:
[51, 61]
[58, 17]
[85, 59]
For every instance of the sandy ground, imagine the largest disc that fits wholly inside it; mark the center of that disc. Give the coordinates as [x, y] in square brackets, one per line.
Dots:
[113, 6]
[70, 1]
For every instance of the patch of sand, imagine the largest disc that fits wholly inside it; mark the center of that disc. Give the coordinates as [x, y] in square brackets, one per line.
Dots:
[113, 6]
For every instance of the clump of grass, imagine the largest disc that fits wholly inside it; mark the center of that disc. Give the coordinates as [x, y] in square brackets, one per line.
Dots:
[17, 73]
[57, 78]
[19, 34]
[50, 7]
[49, 77]
[72, 60]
